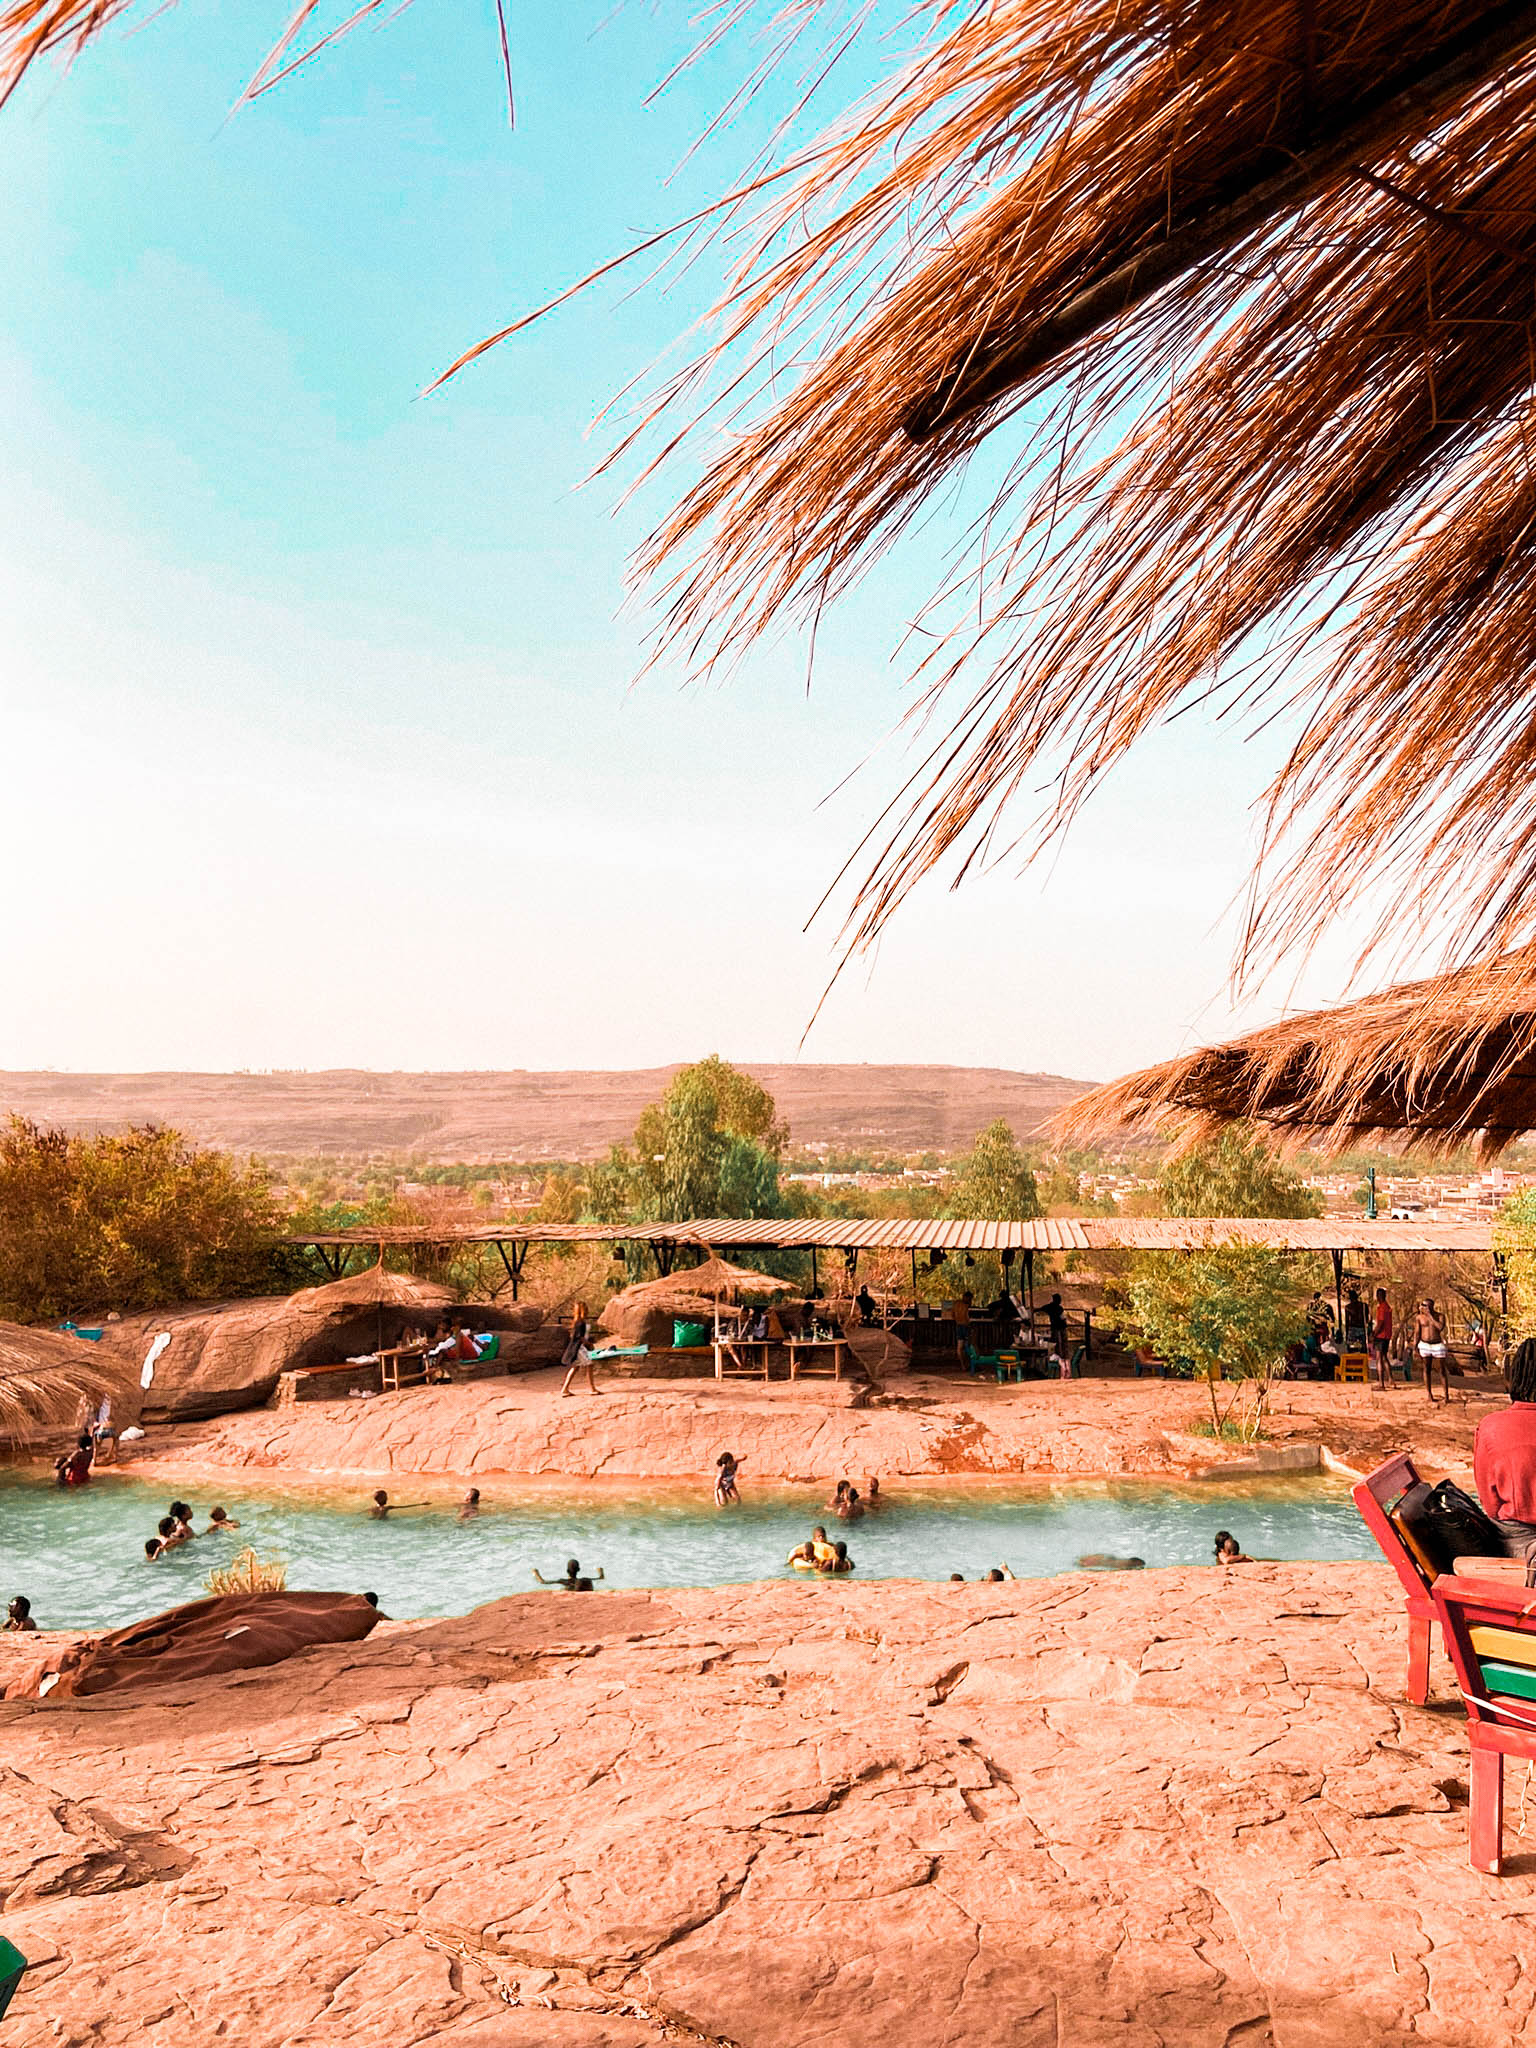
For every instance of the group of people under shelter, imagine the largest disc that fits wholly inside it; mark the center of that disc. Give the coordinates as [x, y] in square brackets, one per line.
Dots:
[1371, 1329]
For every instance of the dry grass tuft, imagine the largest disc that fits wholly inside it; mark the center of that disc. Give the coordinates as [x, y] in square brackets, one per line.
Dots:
[248, 1573]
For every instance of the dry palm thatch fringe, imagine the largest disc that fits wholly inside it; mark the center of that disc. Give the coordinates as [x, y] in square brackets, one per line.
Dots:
[1433, 1064]
[30, 29]
[1278, 441]
[1254, 284]
[44, 1377]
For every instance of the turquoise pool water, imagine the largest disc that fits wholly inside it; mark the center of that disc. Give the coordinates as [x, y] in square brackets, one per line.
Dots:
[78, 1556]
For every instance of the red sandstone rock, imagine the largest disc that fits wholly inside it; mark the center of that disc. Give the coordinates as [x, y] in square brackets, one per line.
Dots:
[1173, 1808]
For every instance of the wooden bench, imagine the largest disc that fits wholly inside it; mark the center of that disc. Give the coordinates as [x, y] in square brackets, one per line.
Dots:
[1490, 1633]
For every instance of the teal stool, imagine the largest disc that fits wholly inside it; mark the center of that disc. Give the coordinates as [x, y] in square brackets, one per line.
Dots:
[12, 1967]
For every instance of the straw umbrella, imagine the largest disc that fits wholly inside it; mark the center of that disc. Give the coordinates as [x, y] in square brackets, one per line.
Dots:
[45, 1376]
[1433, 1065]
[701, 1289]
[376, 1288]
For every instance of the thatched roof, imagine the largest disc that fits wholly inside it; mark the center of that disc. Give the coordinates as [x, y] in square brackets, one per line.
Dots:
[375, 1288]
[1431, 1065]
[43, 1377]
[715, 1279]
[1245, 293]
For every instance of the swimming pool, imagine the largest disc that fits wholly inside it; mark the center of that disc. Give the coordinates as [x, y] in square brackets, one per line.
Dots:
[79, 1556]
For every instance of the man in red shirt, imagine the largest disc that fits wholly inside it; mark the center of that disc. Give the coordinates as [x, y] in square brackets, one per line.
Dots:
[1504, 1455]
[1381, 1339]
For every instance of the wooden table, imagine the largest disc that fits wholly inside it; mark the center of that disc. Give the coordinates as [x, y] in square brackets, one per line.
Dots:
[390, 1363]
[798, 1346]
[733, 1347]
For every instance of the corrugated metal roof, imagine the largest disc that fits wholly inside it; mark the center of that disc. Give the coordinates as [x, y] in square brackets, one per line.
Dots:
[905, 1233]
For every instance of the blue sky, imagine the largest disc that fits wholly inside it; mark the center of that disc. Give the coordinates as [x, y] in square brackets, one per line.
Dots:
[326, 747]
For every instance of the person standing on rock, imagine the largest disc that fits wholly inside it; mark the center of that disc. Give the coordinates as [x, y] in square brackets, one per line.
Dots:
[577, 1354]
[1429, 1342]
[1381, 1339]
[727, 1465]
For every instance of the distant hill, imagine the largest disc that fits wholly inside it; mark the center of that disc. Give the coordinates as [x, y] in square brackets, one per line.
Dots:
[520, 1115]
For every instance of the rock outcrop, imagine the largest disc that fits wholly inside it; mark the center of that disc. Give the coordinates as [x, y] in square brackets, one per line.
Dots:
[1181, 1808]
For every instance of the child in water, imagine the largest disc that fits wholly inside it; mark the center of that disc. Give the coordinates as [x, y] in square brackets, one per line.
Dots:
[1229, 1550]
[727, 1465]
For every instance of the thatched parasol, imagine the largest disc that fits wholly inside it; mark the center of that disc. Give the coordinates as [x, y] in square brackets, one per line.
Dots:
[715, 1279]
[377, 1288]
[695, 1294]
[44, 1376]
[1431, 1064]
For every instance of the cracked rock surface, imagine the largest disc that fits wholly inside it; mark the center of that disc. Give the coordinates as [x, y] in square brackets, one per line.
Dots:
[1185, 1808]
[808, 1430]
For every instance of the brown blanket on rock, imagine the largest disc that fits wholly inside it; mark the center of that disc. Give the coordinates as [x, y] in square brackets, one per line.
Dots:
[229, 1632]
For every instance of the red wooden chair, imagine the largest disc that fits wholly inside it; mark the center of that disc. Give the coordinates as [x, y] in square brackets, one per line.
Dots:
[1377, 1497]
[1490, 1632]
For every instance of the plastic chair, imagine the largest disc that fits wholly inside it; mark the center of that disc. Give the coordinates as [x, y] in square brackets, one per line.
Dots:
[1377, 1496]
[1490, 1632]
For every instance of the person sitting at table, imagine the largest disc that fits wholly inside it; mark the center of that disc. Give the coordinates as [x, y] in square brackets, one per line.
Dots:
[445, 1341]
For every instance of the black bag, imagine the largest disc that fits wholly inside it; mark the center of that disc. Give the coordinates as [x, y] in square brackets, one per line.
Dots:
[1447, 1523]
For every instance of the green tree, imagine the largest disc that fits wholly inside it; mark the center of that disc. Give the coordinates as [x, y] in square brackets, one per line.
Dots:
[994, 1179]
[724, 1099]
[1236, 1174]
[1223, 1308]
[709, 1147]
[126, 1220]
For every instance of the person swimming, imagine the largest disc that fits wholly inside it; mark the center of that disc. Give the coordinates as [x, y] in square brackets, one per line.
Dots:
[1102, 1561]
[841, 1494]
[809, 1557]
[172, 1534]
[153, 1548]
[574, 1580]
[850, 1508]
[1229, 1550]
[18, 1619]
[873, 1497]
[383, 1506]
[181, 1515]
[219, 1522]
[470, 1506]
[839, 1561]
